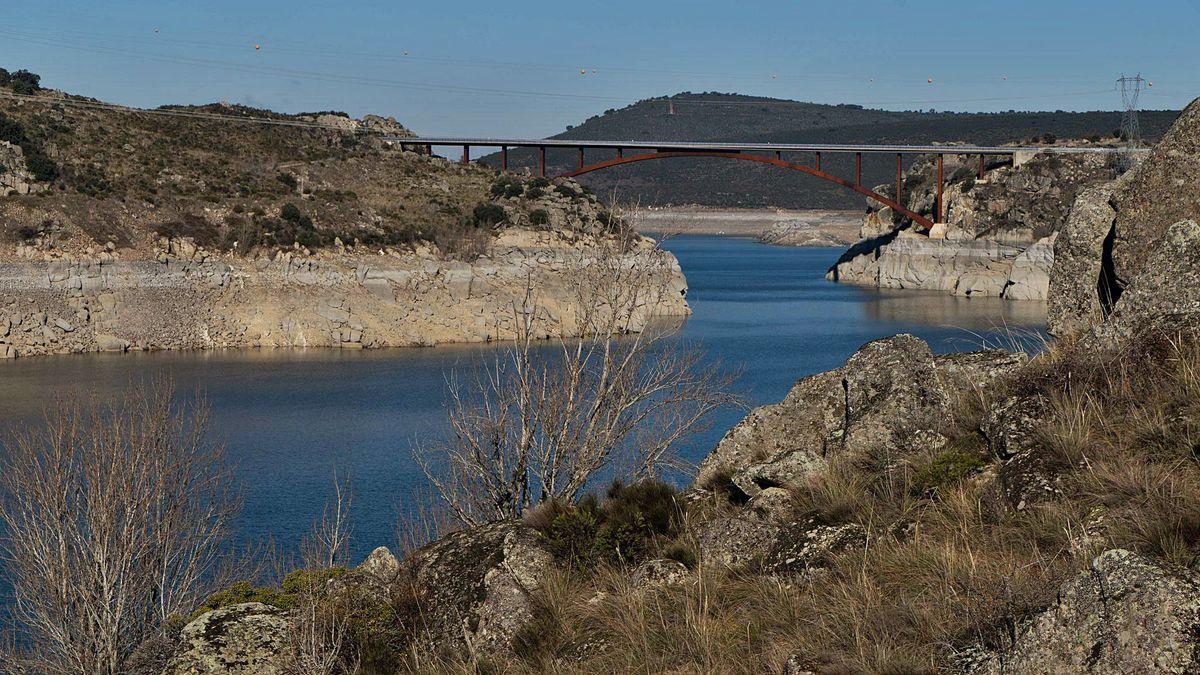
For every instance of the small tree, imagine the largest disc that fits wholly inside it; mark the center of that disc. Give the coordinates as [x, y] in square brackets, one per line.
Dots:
[114, 514]
[537, 426]
[25, 82]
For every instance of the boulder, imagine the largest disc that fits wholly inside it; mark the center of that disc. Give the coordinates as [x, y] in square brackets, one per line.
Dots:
[475, 586]
[250, 638]
[748, 542]
[1124, 614]
[1073, 302]
[887, 392]
[658, 572]
[1029, 471]
[1159, 192]
[110, 343]
[1165, 294]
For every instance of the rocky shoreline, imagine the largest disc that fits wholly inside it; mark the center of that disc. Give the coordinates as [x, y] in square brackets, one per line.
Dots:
[188, 298]
[999, 235]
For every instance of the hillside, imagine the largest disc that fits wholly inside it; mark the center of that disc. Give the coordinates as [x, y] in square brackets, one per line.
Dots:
[731, 117]
[218, 226]
[77, 173]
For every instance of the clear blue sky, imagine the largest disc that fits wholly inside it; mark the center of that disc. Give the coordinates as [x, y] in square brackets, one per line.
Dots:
[512, 67]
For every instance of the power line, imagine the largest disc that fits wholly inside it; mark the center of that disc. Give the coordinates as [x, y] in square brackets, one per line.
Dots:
[33, 38]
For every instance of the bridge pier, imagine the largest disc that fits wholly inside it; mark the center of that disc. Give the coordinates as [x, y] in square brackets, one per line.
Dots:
[939, 217]
[899, 178]
[858, 169]
[542, 161]
[466, 157]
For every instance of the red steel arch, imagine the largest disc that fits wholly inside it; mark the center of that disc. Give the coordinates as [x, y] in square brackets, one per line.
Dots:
[773, 161]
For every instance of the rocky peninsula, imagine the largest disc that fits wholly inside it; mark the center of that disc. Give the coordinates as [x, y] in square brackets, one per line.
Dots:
[145, 232]
[1000, 232]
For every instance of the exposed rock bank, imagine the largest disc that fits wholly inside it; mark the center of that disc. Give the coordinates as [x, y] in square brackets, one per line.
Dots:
[998, 239]
[188, 298]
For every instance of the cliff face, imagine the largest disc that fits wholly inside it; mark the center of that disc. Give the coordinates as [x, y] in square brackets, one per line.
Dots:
[1116, 230]
[999, 235]
[190, 298]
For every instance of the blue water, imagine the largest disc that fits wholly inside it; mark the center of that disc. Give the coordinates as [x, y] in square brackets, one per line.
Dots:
[290, 418]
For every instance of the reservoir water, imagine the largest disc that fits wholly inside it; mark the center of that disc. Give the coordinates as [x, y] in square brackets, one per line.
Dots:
[288, 418]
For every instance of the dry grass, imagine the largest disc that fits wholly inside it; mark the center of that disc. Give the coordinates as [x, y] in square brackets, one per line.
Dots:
[944, 569]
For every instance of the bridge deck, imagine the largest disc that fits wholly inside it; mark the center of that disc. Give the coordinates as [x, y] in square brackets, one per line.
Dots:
[747, 147]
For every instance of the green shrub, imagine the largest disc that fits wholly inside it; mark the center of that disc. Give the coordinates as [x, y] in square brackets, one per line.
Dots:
[539, 217]
[5, 77]
[288, 180]
[630, 524]
[506, 186]
[42, 167]
[539, 182]
[244, 591]
[12, 131]
[24, 82]
[301, 580]
[535, 193]
[487, 213]
[571, 536]
[567, 191]
[291, 213]
[945, 470]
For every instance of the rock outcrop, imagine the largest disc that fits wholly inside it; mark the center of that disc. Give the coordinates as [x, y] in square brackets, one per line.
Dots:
[246, 639]
[1124, 614]
[15, 178]
[999, 236]
[189, 298]
[1114, 235]
[1164, 296]
[798, 233]
[891, 394]
[475, 586]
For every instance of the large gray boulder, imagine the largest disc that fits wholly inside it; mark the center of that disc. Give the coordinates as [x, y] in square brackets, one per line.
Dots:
[891, 397]
[1074, 300]
[1165, 294]
[1114, 231]
[246, 639]
[1161, 191]
[1124, 614]
[475, 586]
[748, 541]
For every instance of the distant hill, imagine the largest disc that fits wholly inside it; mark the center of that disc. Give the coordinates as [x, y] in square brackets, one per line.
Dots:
[733, 117]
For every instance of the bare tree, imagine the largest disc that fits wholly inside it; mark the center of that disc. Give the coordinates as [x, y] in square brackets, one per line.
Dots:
[114, 515]
[541, 423]
[320, 622]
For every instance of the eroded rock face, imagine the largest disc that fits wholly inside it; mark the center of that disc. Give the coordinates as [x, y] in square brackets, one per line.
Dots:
[1165, 294]
[476, 584]
[189, 299]
[246, 639]
[1075, 287]
[891, 396]
[999, 236]
[1123, 615]
[1162, 191]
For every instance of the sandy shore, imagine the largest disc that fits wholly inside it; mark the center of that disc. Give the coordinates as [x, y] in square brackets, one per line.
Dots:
[839, 225]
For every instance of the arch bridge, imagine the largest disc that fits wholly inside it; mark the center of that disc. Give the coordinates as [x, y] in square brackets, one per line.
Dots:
[780, 155]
